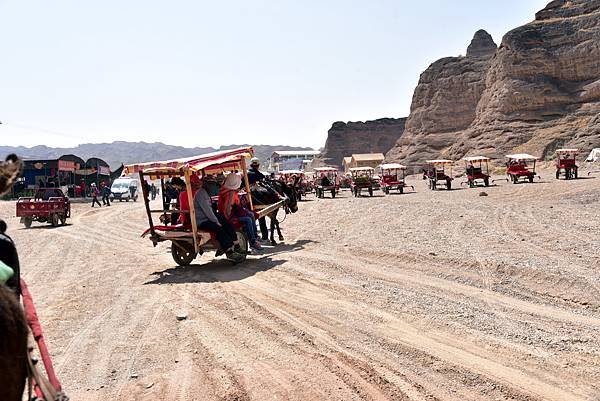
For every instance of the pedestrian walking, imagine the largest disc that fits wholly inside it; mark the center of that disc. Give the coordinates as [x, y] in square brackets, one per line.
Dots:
[95, 192]
[105, 194]
[153, 191]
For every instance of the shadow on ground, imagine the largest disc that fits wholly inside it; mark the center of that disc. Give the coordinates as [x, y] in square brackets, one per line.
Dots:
[222, 271]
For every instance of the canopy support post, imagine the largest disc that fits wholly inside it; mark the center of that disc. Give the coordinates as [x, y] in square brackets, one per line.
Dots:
[147, 204]
[246, 183]
[190, 196]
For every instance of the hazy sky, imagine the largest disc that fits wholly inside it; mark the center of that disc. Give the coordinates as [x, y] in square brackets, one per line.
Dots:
[199, 73]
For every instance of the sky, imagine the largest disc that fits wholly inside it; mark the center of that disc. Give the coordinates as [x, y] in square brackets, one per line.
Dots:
[211, 73]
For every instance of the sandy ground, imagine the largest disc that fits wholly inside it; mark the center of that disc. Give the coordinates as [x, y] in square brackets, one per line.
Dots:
[424, 296]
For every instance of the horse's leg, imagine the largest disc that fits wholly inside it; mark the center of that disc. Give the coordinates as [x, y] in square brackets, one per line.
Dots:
[278, 229]
[264, 231]
[272, 218]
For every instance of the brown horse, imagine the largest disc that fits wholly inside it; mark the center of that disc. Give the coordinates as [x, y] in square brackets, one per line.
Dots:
[13, 325]
[13, 346]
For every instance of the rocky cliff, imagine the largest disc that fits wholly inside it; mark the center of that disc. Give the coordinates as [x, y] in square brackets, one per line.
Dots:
[540, 91]
[445, 101]
[344, 139]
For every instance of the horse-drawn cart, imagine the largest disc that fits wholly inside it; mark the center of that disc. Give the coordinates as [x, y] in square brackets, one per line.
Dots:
[326, 180]
[566, 163]
[393, 177]
[477, 169]
[439, 172]
[187, 241]
[521, 167]
[362, 179]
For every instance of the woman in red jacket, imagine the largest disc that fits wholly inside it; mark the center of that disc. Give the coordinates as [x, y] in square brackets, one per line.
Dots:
[231, 206]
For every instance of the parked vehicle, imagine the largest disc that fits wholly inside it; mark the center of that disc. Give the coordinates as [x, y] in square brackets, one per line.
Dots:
[125, 189]
[566, 163]
[49, 205]
[362, 178]
[477, 170]
[393, 177]
[439, 172]
[326, 180]
[521, 167]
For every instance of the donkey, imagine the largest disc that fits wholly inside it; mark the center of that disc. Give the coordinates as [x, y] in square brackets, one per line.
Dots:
[270, 192]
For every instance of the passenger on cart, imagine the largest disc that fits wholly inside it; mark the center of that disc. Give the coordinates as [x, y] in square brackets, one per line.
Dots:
[206, 219]
[184, 204]
[230, 205]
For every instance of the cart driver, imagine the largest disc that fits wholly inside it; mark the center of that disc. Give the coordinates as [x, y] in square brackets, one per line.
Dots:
[254, 174]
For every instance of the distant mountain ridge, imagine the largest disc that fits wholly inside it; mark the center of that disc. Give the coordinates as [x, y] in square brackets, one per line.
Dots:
[118, 152]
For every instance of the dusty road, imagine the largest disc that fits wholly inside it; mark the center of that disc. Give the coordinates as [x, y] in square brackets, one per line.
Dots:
[426, 296]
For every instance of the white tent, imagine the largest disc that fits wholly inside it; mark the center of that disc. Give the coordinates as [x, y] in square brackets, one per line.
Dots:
[594, 155]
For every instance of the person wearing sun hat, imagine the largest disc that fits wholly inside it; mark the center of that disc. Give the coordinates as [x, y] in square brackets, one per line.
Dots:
[231, 206]
[254, 174]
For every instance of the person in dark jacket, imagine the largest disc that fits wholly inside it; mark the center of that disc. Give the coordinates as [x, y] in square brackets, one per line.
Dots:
[254, 174]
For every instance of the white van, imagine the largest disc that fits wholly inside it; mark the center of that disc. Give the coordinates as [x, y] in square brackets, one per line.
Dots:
[125, 188]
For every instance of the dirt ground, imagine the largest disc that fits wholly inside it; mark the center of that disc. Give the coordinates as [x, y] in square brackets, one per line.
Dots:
[423, 296]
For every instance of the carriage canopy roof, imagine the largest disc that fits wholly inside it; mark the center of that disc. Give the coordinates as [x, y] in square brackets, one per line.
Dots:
[291, 172]
[567, 151]
[476, 159]
[362, 169]
[227, 159]
[440, 161]
[521, 156]
[325, 169]
[392, 166]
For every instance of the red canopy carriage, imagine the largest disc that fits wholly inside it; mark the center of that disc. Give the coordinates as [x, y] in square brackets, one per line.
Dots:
[188, 241]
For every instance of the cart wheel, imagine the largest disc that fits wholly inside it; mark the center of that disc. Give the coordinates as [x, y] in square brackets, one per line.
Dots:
[531, 178]
[557, 174]
[54, 220]
[401, 189]
[240, 256]
[575, 173]
[448, 184]
[27, 222]
[63, 220]
[127, 200]
[333, 193]
[183, 253]
[370, 191]
[486, 182]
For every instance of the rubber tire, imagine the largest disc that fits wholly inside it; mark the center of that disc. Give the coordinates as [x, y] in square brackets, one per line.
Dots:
[401, 189]
[234, 257]
[181, 257]
[127, 200]
[448, 185]
[531, 178]
[332, 193]
[486, 182]
[63, 220]
[371, 191]
[27, 222]
[575, 174]
[557, 174]
[54, 220]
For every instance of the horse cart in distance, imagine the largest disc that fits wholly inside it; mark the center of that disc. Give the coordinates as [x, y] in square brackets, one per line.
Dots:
[439, 172]
[326, 181]
[48, 205]
[362, 179]
[566, 163]
[393, 177]
[187, 240]
[521, 167]
[297, 180]
[477, 170]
